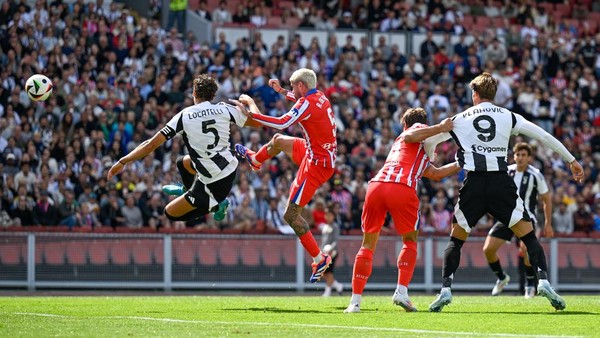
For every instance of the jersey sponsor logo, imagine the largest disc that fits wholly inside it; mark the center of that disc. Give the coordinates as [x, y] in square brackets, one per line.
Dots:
[205, 112]
[485, 149]
[328, 146]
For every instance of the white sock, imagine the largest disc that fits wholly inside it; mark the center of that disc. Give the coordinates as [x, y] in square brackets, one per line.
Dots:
[446, 289]
[356, 299]
[327, 291]
[317, 258]
[403, 290]
[336, 284]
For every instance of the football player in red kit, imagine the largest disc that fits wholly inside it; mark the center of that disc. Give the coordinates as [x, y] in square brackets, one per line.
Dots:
[315, 154]
[393, 190]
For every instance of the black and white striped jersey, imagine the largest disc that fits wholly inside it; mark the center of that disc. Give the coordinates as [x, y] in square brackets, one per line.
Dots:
[482, 133]
[530, 183]
[205, 130]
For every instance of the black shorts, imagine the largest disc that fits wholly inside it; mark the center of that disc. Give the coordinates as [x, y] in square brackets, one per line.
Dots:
[502, 231]
[200, 194]
[492, 192]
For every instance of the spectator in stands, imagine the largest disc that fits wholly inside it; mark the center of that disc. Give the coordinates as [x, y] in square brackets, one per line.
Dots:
[203, 11]
[87, 217]
[583, 220]
[562, 219]
[221, 14]
[177, 10]
[257, 17]
[347, 21]
[68, 209]
[44, 212]
[244, 217]
[132, 215]
[241, 14]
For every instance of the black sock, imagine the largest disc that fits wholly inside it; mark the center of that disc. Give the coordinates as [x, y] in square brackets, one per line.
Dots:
[451, 260]
[536, 254]
[521, 264]
[530, 275]
[497, 268]
[186, 176]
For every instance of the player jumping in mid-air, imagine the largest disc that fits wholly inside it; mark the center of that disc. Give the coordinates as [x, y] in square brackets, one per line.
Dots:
[315, 154]
[210, 168]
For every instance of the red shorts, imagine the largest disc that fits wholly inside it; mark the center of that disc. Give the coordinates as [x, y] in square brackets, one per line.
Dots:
[309, 178]
[398, 199]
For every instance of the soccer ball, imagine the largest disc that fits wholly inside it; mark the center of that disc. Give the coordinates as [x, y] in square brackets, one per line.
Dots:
[38, 87]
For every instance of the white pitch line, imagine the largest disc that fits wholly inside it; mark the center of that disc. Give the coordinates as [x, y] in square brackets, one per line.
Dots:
[40, 314]
[364, 328]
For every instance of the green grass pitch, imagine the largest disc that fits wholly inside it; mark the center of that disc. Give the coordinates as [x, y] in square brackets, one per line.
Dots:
[293, 316]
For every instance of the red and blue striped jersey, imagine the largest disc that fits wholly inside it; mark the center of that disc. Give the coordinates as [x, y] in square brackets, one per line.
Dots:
[314, 115]
[405, 163]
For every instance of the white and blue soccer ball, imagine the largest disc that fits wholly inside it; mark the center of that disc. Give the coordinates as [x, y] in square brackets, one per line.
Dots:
[38, 87]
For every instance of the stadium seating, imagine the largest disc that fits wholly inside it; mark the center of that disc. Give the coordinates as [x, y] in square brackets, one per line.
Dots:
[250, 252]
[76, 252]
[12, 254]
[183, 252]
[98, 252]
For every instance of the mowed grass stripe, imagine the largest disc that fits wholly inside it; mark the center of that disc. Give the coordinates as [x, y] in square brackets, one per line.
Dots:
[289, 316]
[319, 326]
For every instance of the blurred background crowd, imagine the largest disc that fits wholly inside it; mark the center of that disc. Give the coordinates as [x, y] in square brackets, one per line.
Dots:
[120, 76]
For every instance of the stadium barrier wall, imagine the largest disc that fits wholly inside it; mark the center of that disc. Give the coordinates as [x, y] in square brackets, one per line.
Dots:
[38, 260]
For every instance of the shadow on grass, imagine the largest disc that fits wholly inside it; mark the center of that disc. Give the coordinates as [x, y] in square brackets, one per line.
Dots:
[555, 313]
[279, 310]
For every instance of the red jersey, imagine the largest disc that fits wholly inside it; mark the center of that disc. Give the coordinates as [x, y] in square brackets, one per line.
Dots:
[314, 114]
[405, 163]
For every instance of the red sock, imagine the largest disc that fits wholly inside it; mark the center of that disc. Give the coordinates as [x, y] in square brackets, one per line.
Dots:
[309, 243]
[406, 262]
[262, 154]
[363, 266]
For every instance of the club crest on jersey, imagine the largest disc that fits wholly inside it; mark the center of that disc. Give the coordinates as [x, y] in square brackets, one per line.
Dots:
[295, 111]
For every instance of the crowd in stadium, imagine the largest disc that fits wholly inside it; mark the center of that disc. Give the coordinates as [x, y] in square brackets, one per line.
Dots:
[119, 77]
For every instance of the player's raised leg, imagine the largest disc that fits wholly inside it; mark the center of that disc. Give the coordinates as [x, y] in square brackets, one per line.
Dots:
[188, 174]
[277, 144]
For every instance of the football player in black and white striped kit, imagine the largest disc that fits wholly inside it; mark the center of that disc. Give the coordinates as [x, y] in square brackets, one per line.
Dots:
[209, 170]
[482, 134]
[531, 185]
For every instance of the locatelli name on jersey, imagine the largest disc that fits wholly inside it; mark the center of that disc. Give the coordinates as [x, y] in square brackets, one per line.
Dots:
[205, 112]
[478, 148]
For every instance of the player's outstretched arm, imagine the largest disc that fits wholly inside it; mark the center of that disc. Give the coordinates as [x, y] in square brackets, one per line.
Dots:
[529, 129]
[250, 122]
[420, 134]
[274, 83]
[139, 152]
[437, 174]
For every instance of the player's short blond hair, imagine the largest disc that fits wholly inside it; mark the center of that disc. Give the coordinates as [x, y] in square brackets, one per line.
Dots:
[306, 76]
[485, 85]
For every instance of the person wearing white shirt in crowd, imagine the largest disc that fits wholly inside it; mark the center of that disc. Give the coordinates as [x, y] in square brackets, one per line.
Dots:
[221, 14]
[562, 219]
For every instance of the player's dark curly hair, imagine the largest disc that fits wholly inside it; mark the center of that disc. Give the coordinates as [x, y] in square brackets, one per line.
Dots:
[414, 115]
[205, 87]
